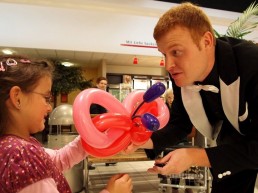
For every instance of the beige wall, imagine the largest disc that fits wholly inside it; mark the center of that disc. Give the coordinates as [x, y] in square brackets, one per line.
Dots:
[89, 73]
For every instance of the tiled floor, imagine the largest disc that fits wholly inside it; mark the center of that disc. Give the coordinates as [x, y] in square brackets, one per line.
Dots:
[143, 182]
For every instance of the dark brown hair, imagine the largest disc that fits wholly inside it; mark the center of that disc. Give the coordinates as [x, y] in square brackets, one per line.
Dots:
[100, 79]
[22, 72]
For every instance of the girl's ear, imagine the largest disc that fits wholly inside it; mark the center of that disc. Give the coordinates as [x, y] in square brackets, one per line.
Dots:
[15, 96]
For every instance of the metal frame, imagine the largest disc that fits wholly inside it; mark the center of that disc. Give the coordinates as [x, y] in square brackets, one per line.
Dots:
[198, 176]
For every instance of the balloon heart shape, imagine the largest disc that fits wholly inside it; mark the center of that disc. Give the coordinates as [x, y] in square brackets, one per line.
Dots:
[132, 121]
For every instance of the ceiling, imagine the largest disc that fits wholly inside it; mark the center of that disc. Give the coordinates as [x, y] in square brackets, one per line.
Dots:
[86, 59]
[228, 5]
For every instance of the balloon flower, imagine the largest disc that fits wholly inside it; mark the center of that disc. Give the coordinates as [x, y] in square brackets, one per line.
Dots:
[131, 121]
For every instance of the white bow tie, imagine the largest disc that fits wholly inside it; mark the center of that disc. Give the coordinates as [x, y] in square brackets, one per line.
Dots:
[197, 88]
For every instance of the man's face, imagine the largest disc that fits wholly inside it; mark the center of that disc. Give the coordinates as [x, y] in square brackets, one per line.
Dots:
[184, 60]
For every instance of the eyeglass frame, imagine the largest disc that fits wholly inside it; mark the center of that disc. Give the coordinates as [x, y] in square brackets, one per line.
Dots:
[47, 98]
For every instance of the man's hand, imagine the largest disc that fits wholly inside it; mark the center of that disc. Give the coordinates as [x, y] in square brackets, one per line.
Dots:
[180, 160]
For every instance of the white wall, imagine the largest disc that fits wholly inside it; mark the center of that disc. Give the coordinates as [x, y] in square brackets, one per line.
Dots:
[73, 29]
[92, 25]
[100, 28]
[155, 71]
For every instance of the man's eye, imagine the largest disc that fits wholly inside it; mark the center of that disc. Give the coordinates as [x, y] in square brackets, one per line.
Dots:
[176, 53]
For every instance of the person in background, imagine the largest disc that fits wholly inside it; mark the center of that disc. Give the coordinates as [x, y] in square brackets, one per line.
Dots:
[169, 97]
[101, 83]
[26, 166]
[95, 109]
[215, 85]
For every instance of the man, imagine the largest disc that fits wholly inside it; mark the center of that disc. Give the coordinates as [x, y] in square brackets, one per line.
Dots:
[225, 109]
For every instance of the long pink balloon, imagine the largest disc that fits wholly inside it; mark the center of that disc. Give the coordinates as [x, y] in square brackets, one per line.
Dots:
[82, 118]
[109, 133]
[111, 122]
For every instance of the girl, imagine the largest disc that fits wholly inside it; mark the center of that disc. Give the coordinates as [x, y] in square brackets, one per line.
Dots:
[25, 95]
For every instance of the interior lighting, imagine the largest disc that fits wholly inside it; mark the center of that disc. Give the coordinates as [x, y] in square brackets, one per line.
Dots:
[7, 52]
[67, 64]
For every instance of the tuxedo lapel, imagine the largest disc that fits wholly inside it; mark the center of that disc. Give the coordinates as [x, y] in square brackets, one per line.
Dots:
[229, 82]
[229, 91]
[194, 107]
[230, 101]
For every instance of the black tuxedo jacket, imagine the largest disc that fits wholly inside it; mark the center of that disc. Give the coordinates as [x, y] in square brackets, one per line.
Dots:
[236, 129]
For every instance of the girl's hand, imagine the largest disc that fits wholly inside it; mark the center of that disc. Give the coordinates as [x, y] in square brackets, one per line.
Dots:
[120, 183]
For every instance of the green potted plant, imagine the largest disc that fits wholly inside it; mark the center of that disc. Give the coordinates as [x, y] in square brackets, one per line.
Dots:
[244, 24]
[68, 79]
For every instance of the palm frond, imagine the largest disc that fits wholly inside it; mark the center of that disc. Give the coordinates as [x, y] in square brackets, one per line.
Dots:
[243, 26]
[217, 34]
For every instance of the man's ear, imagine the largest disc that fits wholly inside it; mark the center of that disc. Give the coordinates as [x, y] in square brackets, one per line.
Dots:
[15, 96]
[208, 39]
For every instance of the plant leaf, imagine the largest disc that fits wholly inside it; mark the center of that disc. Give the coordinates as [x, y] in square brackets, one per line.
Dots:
[244, 25]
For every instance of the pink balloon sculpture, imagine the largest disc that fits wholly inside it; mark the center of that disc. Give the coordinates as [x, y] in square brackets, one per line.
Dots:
[131, 121]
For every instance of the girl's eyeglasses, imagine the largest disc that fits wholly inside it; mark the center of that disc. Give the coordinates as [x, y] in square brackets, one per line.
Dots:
[47, 97]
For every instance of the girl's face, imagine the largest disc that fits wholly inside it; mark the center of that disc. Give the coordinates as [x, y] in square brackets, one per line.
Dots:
[36, 106]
